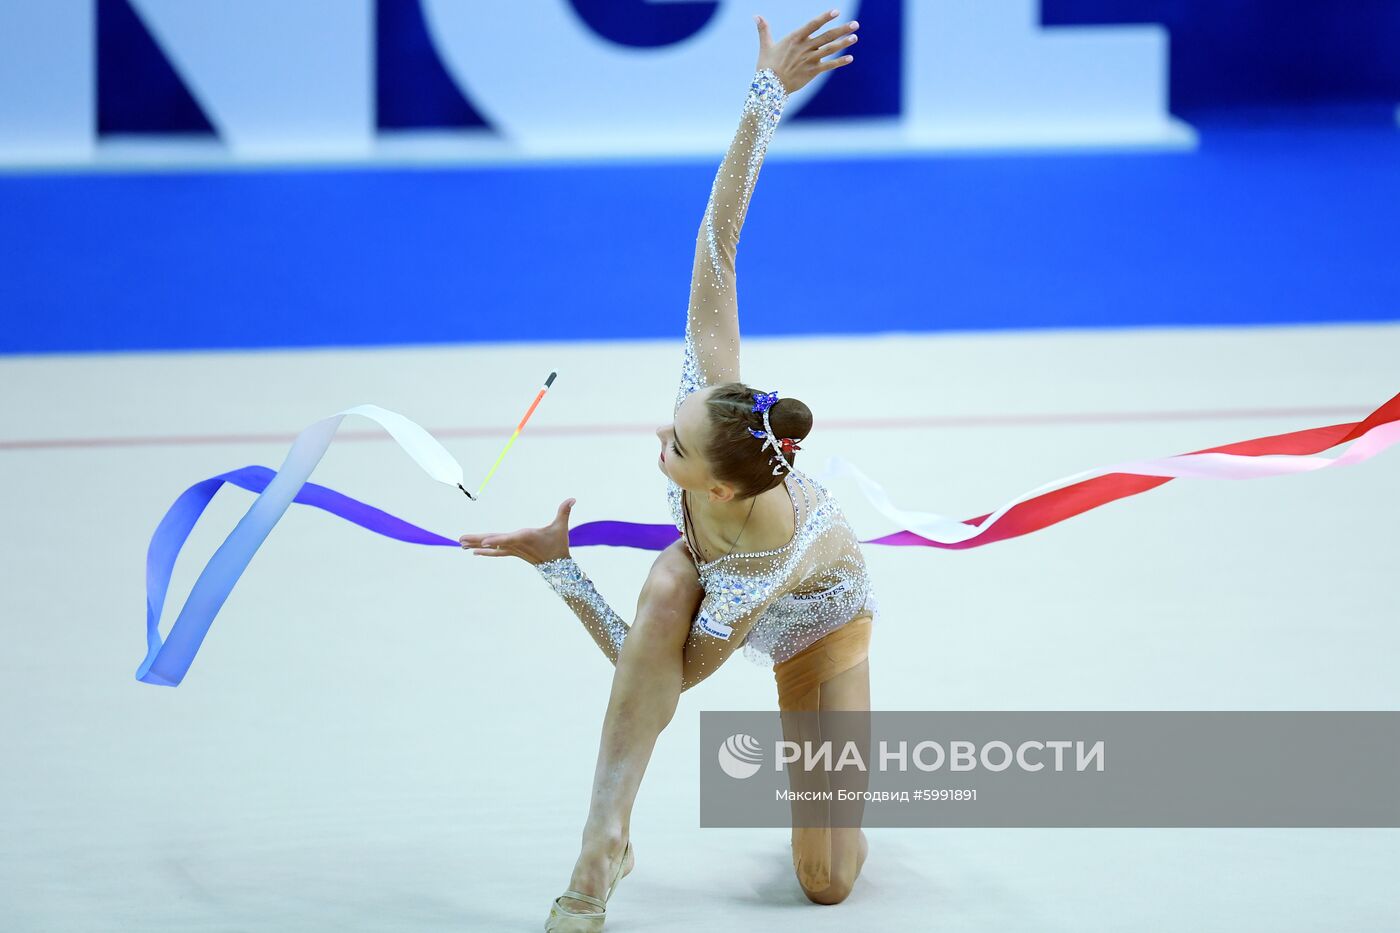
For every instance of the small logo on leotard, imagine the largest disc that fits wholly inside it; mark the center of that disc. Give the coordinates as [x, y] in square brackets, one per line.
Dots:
[823, 594]
[711, 627]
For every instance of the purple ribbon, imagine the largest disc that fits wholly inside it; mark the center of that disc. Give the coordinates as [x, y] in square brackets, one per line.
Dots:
[181, 645]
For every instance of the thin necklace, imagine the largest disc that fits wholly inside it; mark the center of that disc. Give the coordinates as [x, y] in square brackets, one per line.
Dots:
[690, 525]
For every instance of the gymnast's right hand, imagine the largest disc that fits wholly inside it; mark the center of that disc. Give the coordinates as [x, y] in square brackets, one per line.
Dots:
[535, 545]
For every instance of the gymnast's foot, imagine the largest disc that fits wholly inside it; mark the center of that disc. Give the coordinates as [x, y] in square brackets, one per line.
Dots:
[595, 869]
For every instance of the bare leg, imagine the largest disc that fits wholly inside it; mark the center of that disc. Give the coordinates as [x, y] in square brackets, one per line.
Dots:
[645, 691]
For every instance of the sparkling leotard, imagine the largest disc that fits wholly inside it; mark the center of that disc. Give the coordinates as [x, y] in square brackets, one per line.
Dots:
[774, 602]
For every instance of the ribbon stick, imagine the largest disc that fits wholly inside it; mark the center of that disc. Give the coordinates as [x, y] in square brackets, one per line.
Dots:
[518, 428]
[167, 660]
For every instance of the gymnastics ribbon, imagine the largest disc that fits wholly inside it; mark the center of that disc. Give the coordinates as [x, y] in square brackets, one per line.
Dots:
[1053, 502]
[166, 662]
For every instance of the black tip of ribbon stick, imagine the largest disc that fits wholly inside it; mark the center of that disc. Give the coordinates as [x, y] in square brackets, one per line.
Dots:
[464, 489]
[550, 381]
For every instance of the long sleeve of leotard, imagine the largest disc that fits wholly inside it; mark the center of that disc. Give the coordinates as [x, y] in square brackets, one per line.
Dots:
[711, 353]
[577, 590]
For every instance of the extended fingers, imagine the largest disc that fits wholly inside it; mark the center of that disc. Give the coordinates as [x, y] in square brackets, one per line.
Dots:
[488, 542]
[832, 47]
[486, 546]
[826, 65]
[801, 34]
[831, 35]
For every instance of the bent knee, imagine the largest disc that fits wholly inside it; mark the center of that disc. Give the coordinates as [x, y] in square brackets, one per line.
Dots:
[668, 601]
[671, 588]
[673, 581]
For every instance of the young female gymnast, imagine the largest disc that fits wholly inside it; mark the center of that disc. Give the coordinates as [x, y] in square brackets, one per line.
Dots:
[796, 593]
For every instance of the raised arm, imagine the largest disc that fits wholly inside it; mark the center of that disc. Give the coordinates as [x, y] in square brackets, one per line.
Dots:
[712, 320]
[711, 353]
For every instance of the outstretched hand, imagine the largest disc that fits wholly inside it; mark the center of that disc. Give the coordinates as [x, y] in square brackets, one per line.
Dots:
[535, 545]
[796, 58]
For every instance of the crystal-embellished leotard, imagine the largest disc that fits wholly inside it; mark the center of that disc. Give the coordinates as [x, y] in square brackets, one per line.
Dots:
[774, 602]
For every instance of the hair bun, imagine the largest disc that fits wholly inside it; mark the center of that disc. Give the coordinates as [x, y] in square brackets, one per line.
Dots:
[790, 417]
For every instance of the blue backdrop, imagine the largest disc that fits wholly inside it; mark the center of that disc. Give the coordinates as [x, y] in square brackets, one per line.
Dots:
[1284, 214]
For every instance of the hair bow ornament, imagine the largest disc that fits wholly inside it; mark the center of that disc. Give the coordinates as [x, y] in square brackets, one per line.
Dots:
[764, 401]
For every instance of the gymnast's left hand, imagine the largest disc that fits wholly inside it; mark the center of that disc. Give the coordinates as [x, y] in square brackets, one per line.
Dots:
[534, 545]
[799, 56]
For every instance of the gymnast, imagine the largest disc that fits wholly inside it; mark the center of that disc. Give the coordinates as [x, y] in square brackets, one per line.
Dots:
[765, 557]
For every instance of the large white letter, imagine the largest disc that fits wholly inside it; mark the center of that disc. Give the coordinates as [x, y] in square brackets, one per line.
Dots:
[983, 73]
[275, 77]
[547, 82]
[48, 79]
